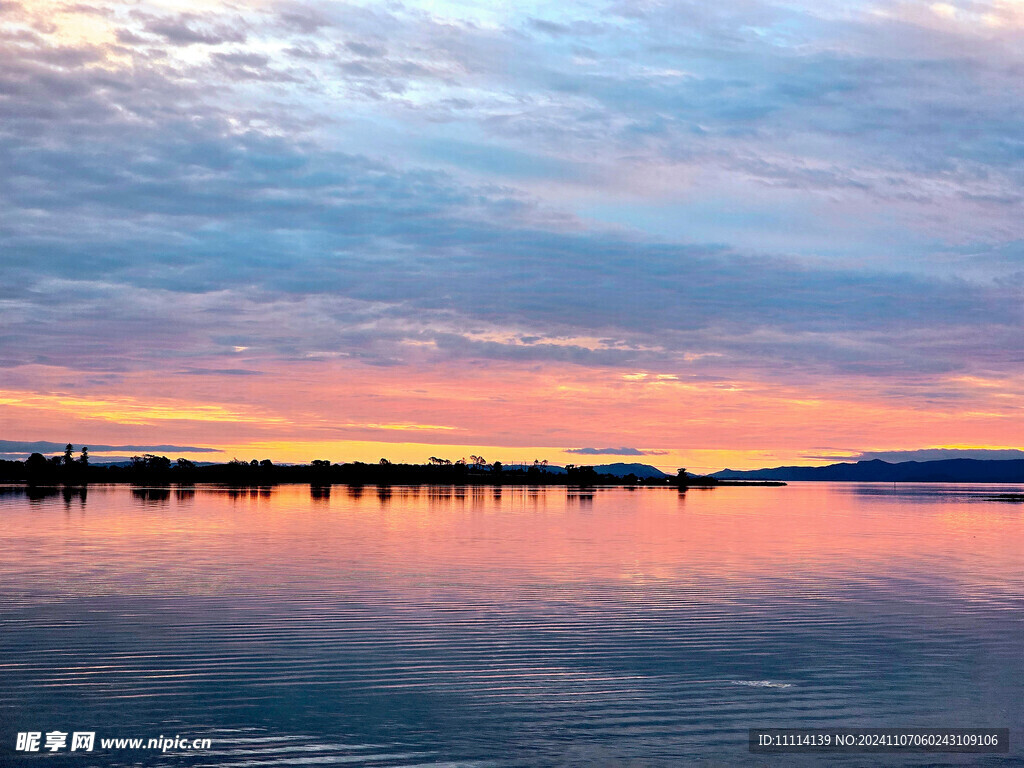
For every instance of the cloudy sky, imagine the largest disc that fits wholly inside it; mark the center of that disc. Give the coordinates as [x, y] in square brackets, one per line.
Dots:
[712, 234]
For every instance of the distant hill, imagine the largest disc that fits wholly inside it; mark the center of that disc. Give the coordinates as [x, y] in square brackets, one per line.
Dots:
[551, 468]
[942, 471]
[621, 470]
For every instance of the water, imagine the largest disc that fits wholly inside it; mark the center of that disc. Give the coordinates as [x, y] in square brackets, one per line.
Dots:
[507, 626]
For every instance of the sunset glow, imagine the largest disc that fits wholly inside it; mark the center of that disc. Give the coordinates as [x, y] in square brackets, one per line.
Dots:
[776, 233]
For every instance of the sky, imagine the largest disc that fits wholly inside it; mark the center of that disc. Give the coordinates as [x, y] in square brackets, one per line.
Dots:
[733, 234]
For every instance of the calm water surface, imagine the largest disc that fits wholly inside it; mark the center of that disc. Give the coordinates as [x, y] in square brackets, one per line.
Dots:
[507, 627]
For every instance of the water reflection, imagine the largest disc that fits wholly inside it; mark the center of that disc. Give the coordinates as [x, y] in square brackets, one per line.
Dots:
[478, 497]
[583, 497]
[159, 496]
[40, 493]
[250, 492]
[73, 493]
[929, 493]
[508, 626]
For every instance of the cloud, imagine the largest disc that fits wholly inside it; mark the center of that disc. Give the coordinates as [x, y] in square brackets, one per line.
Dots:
[45, 446]
[185, 30]
[420, 188]
[277, 238]
[613, 452]
[218, 372]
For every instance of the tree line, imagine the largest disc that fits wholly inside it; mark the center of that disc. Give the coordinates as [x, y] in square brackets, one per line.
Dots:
[148, 468]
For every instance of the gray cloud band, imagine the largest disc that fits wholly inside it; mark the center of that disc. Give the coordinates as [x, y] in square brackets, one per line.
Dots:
[144, 221]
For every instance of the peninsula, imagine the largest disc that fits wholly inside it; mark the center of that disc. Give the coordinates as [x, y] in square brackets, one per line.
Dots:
[69, 469]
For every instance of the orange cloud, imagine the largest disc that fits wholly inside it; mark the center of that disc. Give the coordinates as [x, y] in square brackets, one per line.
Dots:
[131, 410]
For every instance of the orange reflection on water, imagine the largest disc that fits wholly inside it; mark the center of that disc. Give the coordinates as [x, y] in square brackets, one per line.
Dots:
[212, 540]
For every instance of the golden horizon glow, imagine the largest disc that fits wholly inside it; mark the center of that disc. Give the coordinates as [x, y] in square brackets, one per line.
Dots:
[131, 410]
[343, 411]
[340, 411]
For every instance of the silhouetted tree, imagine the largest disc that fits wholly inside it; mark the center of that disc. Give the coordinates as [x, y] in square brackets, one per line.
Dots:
[36, 463]
[68, 459]
[84, 461]
[581, 475]
[36, 467]
[150, 463]
[150, 468]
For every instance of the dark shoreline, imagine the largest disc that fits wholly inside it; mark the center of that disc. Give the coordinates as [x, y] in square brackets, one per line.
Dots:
[161, 471]
[512, 483]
